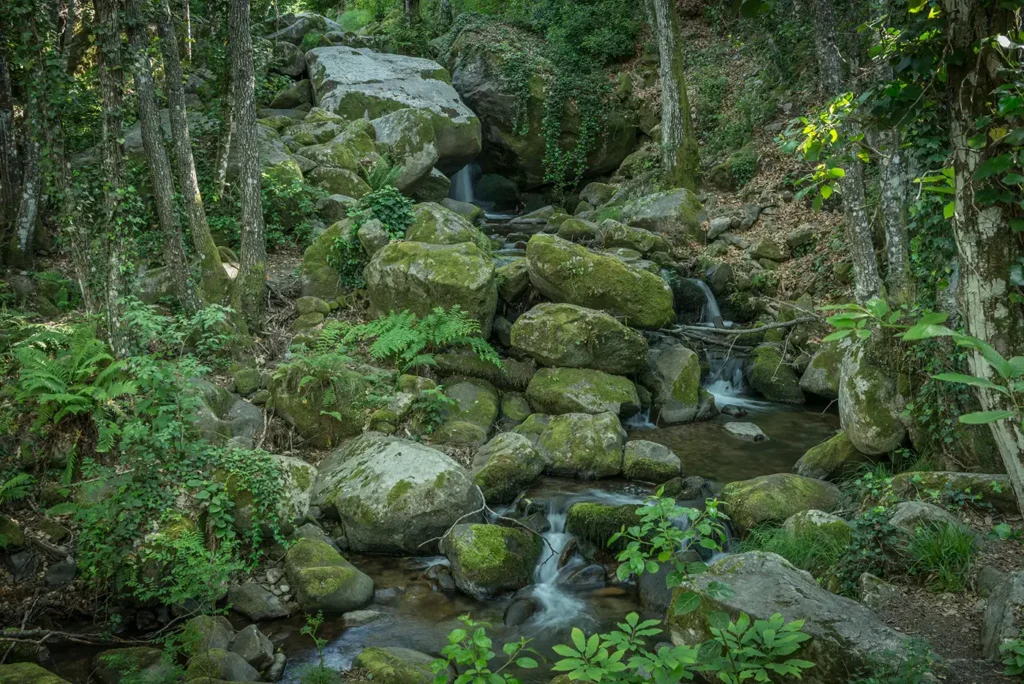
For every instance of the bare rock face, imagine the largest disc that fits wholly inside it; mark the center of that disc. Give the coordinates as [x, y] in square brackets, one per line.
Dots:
[363, 84]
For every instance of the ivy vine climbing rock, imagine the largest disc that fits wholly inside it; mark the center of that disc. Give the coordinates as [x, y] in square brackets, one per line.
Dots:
[418, 276]
[363, 84]
[847, 635]
[393, 495]
[489, 560]
[565, 272]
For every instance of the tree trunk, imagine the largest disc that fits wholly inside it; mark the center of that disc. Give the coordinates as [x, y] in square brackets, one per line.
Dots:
[867, 284]
[28, 207]
[893, 196]
[412, 11]
[248, 294]
[188, 30]
[447, 16]
[156, 156]
[679, 159]
[214, 280]
[986, 244]
[111, 81]
[10, 172]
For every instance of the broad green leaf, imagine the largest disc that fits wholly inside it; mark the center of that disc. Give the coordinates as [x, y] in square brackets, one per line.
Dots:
[579, 639]
[686, 603]
[970, 380]
[949, 210]
[993, 166]
[983, 417]
[826, 191]
[528, 663]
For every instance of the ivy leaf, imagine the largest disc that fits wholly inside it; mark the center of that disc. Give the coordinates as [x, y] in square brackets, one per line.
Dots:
[1013, 179]
[993, 166]
[977, 142]
[1017, 225]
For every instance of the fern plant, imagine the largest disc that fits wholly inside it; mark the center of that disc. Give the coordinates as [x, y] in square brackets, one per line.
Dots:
[409, 342]
[382, 174]
[16, 488]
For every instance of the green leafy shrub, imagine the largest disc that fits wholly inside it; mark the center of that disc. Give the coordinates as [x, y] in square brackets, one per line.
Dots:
[354, 19]
[1012, 652]
[469, 652]
[409, 341]
[387, 205]
[915, 665]
[942, 554]
[289, 210]
[382, 174]
[872, 549]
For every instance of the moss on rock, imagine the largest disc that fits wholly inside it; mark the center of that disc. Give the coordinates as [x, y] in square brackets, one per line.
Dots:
[438, 225]
[27, 673]
[775, 380]
[649, 462]
[324, 581]
[577, 444]
[582, 390]
[505, 466]
[833, 459]
[490, 559]
[395, 665]
[597, 522]
[774, 498]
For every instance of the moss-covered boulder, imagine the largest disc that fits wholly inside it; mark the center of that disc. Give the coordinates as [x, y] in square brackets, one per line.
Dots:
[994, 490]
[513, 280]
[466, 210]
[220, 665]
[798, 524]
[337, 181]
[582, 390]
[597, 522]
[469, 421]
[324, 581]
[410, 139]
[392, 495]
[505, 466]
[598, 193]
[676, 212]
[615, 234]
[299, 400]
[570, 336]
[833, 459]
[489, 560]
[771, 377]
[773, 498]
[672, 376]
[515, 407]
[419, 277]
[846, 636]
[578, 230]
[319, 277]
[395, 665]
[206, 632]
[437, 225]
[649, 462]
[869, 402]
[27, 673]
[577, 445]
[433, 188]
[565, 272]
[821, 377]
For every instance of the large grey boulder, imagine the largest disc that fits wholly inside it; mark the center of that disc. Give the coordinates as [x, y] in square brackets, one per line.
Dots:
[577, 445]
[570, 336]
[487, 560]
[505, 466]
[256, 603]
[833, 459]
[846, 636]
[392, 495]
[254, 647]
[419, 277]
[869, 403]
[821, 377]
[1001, 615]
[673, 377]
[219, 664]
[582, 390]
[360, 83]
[409, 134]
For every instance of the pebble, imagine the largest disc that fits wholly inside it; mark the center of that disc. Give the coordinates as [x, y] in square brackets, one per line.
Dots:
[274, 575]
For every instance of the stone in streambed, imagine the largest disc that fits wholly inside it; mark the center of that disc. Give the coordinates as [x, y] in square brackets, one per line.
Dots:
[395, 665]
[597, 522]
[489, 560]
[577, 444]
[324, 580]
[673, 378]
[833, 459]
[775, 380]
[505, 466]
[218, 664]
[580, 390]
[649, 462]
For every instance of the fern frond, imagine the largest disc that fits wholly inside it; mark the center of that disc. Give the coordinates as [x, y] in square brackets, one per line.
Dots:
[16, 488]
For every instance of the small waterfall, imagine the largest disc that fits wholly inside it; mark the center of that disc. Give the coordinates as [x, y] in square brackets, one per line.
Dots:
[462, 183]
[726, 382]
[712, 314]
[640, 421]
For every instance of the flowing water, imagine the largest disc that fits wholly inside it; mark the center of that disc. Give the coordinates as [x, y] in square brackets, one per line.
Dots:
[462, 183]
[712, 314]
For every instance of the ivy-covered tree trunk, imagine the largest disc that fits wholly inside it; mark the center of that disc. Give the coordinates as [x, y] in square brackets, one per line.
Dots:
[985, 241]
[867, 283]
[111, 82]
[214, 283]
[248, 294]
[680, 159]
[157, 163]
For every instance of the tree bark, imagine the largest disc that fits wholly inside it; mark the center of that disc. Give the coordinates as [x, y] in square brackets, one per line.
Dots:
[412, 11]
[111, 81]
[894, 218]
[248, 294]
[188, 29]
[156, 156]
[679, 159]
[986, 244]
[10, 171]
[867, 283]
[28, 207]
[214, 280]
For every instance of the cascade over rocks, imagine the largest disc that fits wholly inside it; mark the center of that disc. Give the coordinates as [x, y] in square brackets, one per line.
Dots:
[869, 403]
[360, 83]
[774, 498]
[570, 336]
[420, 277]
[846, 636]
[393, 495]
[565, 272]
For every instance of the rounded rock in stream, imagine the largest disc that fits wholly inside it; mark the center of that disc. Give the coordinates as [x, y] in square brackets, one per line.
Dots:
[488, 560]
[773, 498]
[393, 495]
[324, 580]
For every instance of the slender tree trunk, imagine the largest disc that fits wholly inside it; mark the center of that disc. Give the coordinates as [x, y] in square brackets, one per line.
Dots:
[867, 283]
[894, 216]
[111, 81]
[412, 11]
[10, 171]
[679, 159]
[248, 293]
[447, 16]
[986, 244]
[188, 30]
[225, 146]
[215, 283]
[28, 207]
[156, 156]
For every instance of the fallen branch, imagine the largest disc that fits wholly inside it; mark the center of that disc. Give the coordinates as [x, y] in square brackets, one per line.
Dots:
[41, 636]
[742, 331]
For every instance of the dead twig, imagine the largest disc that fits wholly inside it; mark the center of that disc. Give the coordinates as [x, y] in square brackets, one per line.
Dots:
[741, 331]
